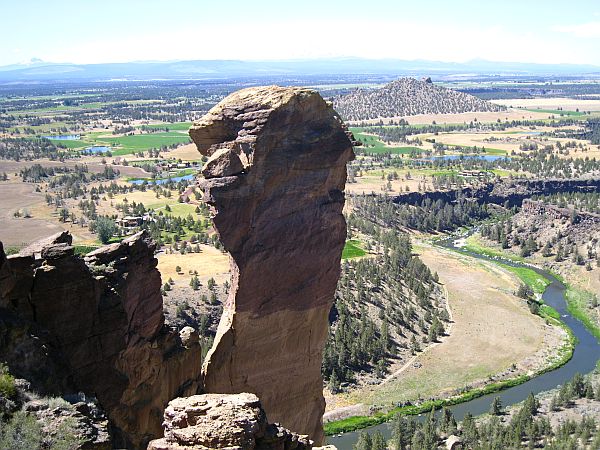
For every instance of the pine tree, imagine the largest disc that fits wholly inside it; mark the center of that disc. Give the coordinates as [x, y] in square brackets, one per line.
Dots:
[496, 408]
[364, 442]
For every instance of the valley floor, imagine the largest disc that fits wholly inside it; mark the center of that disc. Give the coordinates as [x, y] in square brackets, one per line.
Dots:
[492, 330]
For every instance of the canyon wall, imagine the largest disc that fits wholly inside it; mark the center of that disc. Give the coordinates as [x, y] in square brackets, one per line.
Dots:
[511, 191]
[95, 325]
[275, 180]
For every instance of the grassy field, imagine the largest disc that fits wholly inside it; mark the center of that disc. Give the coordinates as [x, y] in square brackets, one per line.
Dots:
[172, 126]
[210, 262]
[557, 112]
[70, 144]
[475, 245]
[177, 209]
[578, 302]
[124, 145]
[352, 249]
[529, 277]
[372, 144]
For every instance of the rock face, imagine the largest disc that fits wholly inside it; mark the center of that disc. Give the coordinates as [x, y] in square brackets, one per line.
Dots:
[95, 325]
[275, 179]
[511, 191]
[221, 421]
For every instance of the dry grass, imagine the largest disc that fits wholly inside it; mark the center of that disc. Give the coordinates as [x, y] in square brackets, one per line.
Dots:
[210, 262]
[15, 196]
[569, 104]
[187, 152]
[510, 142]
[148, 198]
[511, 114]
[492, 330]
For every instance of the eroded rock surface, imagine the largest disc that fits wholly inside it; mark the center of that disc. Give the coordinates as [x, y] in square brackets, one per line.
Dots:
[95, 324]
[275, 179]
[221, 421]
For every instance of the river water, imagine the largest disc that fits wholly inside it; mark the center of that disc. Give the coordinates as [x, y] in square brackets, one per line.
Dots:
[587, 352]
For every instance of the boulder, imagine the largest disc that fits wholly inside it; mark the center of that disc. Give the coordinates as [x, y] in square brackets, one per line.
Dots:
[223, 422]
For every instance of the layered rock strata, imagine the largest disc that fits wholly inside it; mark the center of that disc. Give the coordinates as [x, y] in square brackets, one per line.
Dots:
[95, 325]
[275, 179]
[510, 192]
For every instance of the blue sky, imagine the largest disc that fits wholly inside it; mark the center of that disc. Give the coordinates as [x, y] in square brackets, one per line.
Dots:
[86, 31]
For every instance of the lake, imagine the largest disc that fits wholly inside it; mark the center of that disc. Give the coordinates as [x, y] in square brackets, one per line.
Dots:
[163, 180]
[64, 137]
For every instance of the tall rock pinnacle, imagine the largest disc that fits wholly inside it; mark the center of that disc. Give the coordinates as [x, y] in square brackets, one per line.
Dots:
[275, 180]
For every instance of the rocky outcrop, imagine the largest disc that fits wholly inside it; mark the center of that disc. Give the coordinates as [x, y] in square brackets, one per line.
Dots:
[221, 421]
[94, 324]
[548, 211]
[59, 422]
[275, 180]
[512, 192]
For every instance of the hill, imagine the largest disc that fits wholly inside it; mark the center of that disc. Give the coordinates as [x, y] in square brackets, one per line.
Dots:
[38, 70]
[408, 97]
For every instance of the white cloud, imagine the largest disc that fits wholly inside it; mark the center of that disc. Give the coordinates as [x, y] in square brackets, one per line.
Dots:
[583, 30]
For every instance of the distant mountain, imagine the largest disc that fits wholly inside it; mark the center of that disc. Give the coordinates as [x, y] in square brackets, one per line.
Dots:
[33, 62]
[408, 97]
[37, 70]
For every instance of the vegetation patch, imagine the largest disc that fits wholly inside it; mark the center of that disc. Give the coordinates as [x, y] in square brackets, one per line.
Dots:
[140, 142]
[473, 244]
[529, 276]
[178, 126]
[564, 354]
[578, 303]
[557, 112]
[352, 249]
[84, 249]
[358, 422]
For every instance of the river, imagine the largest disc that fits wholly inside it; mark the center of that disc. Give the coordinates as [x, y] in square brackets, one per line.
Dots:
[585, 355]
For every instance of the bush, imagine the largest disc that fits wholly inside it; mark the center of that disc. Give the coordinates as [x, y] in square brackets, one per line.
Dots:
[66, 437]
[7, 383]
[22, 432]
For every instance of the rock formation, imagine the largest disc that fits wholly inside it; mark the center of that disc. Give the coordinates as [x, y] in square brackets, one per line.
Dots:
[275, 180]
[95, 325]
[221, 421]
[512, 192]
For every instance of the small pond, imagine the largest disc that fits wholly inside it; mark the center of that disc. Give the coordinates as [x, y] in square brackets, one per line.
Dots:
[64, 137]
[163, 180]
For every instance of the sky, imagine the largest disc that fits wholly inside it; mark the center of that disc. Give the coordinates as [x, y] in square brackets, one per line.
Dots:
[100, 31]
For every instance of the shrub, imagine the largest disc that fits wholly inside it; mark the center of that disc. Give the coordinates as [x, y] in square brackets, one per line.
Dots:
[22, 432]
[7, 383]
[66, 436]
